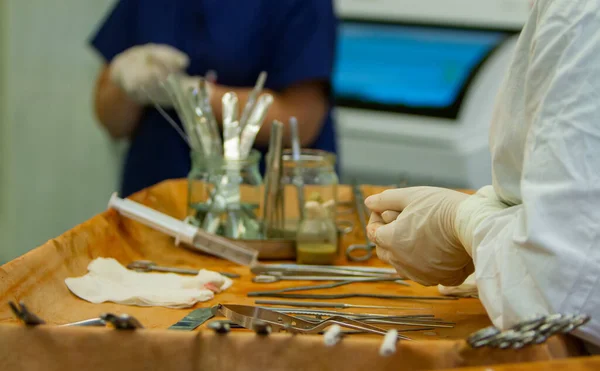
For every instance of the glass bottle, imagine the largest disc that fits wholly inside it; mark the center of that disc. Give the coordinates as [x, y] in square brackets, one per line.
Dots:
[316, 236]
[206, 175]
[313, 173]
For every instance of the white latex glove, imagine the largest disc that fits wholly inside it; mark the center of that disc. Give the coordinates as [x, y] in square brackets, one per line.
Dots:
[469, 215]
[140, 69]
[421, 243]
[467, 289]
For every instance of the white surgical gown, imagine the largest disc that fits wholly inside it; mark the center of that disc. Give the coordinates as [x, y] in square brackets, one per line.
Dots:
[541, 254]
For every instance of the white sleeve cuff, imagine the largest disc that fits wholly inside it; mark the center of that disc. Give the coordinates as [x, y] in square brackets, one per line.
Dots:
[473, 211]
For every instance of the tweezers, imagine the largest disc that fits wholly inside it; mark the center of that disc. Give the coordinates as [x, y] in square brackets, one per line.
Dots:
[25, 315]
[319, 287]
[355, 295]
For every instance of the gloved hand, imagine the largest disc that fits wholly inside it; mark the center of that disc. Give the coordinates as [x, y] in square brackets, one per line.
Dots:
[468, 289]
[422, 242]
[140, 69]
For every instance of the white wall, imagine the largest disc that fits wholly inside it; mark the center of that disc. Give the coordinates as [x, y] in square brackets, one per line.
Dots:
[57, 168]
[508, 14]
[3, 162]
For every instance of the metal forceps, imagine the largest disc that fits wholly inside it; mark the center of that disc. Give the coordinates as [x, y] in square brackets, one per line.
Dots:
[326, 286]
[149, 266]
[25, 315]
[247, 316]
[366, 249]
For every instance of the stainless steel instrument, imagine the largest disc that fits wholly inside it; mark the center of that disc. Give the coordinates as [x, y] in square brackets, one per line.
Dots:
[297, 179]
[86, 322]
[224, 326]
[361, 316]
[227, 195]
[273, 204]
[320, 304]
[169, 119]
[256, 120]
[398, 322]
[194, 319]
[231, 126]
[185, 112]
[237, 147]
[403, 323]
[347, 270]
[357, 295]
[203, 103]
[325, 272]
[530, 332]
[366, 249]
[149, 266]
[200, 124]
[391, 322]
[388, 320]
[120, 322]
[272, 279]
[258, 87]
[247, 316]
[321, 287]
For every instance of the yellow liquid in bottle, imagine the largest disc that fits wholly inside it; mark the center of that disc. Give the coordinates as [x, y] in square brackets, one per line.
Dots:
[316, 253]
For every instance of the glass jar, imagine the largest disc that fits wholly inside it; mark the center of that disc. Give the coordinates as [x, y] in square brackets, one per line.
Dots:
[225, 190]
[314, 174]
[317, 235]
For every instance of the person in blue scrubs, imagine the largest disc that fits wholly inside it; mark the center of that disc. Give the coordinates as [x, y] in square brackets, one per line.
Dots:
[292, 40]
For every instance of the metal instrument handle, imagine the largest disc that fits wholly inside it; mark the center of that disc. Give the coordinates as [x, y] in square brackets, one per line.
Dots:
[345, 226]
[297, 179]
[367, 248]
[366, 252]
[148, 266]
[267, 278]
[314, 304]
[359, 295]
[250, 103]
[141, 265]
[325, 286]
[260, 268]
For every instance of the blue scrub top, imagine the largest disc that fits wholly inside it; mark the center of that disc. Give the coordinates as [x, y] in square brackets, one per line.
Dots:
[293, 40]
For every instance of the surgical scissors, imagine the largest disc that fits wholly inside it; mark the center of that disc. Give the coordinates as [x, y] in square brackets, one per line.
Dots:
[366, 249]
[247, 316]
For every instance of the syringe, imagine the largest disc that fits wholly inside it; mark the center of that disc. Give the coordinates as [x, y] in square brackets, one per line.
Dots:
[183, 232]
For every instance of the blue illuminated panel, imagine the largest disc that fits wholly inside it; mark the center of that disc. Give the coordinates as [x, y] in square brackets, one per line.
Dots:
[392, 66]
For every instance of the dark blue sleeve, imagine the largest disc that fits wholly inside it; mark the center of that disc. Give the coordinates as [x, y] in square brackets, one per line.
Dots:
[117, 32]
[305, 46]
